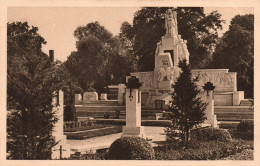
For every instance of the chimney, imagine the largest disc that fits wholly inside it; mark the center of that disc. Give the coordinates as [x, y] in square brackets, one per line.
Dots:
[51, 55]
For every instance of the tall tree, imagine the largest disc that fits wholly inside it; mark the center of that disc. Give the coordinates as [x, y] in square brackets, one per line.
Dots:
[235, 51]
[199, 29]
[100, 59]
[30, 87]
[187, 108]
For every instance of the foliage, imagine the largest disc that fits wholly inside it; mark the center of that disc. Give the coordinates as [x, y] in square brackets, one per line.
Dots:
[77, 124]
[162, 123]
[204, 150]
[100, 60]
[235, 51]
[30, 88]
[199, 29]
[106, 115]
[187, 109]
[245, 129]
[117, 114]
[130, 148]
[247, 154]
[89, 156]
[70, 113]
[210, 134]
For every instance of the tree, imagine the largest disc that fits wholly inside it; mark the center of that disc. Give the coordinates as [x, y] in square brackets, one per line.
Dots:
[70, 88]
[235, 51]
[187, 108]
[199, 29]
[100, 59]
[30, 87]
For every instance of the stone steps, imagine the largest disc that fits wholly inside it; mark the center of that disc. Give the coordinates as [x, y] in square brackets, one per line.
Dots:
[234, 113]
[102, 103]
[245, 102]
[228, 124]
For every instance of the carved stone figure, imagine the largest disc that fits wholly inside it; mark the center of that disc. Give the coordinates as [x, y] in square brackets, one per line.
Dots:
[161, 74]
[158, 49]
[169, 73]
[171, 22]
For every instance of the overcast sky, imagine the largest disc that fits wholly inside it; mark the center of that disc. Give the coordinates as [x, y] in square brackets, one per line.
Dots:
[57, 24]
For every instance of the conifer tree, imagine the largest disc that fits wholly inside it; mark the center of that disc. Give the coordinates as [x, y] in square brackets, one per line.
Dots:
[187, 108]
[31, 81]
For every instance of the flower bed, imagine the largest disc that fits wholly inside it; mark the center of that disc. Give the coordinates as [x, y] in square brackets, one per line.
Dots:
[84, 128]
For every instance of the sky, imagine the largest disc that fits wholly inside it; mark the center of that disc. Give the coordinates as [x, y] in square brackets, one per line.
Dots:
[57, 24]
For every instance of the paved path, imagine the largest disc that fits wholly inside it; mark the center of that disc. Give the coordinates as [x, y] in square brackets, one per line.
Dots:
[91, 144]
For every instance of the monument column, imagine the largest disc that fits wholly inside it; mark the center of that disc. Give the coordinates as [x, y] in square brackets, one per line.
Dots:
[62, 149]
[208, 97]
[133, 126]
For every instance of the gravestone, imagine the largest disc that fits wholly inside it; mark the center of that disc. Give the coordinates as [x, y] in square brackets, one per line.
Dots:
[88, 97]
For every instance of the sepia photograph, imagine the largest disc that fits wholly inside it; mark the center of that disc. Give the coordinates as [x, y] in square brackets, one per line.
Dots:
[130, 83]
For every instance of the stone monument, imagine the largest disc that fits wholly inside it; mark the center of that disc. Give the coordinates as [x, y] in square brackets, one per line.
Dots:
[62, 149]
[88, 97]
[133, 126]
[208, 97]
[157, 84]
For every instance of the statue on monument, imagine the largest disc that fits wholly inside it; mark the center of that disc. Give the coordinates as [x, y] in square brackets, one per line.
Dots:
[171, 22]
[161, 74]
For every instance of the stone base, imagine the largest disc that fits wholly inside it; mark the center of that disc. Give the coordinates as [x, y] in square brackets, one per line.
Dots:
[212, 121]
[133, 132]
[65, 149]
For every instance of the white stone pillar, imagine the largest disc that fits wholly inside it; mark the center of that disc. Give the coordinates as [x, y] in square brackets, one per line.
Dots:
[208, 97]
[103, 96]
[78, 100]
[133, 126]
[237, 97]
[58, 129]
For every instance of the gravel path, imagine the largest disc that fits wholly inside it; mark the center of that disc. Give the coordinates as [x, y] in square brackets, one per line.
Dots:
[154, 133]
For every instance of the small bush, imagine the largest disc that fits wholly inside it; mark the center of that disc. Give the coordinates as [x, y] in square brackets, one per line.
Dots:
[77, 124]
[130, 148]
[245, 129]
[106, 116]
[70, 113]
[206, 150]
[207, 134]
[117, 114]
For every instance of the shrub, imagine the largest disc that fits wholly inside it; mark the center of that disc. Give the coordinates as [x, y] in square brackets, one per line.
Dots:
[245, 129]
[130, 148]
[70, 113]
[163, 123]
[106, 116]
[206, 150]
[117, 114]
[207, 134]
[76, 124]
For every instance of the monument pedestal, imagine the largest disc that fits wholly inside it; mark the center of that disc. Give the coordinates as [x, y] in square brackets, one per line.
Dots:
[130, 131]
[209, 112]
[133, 126]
